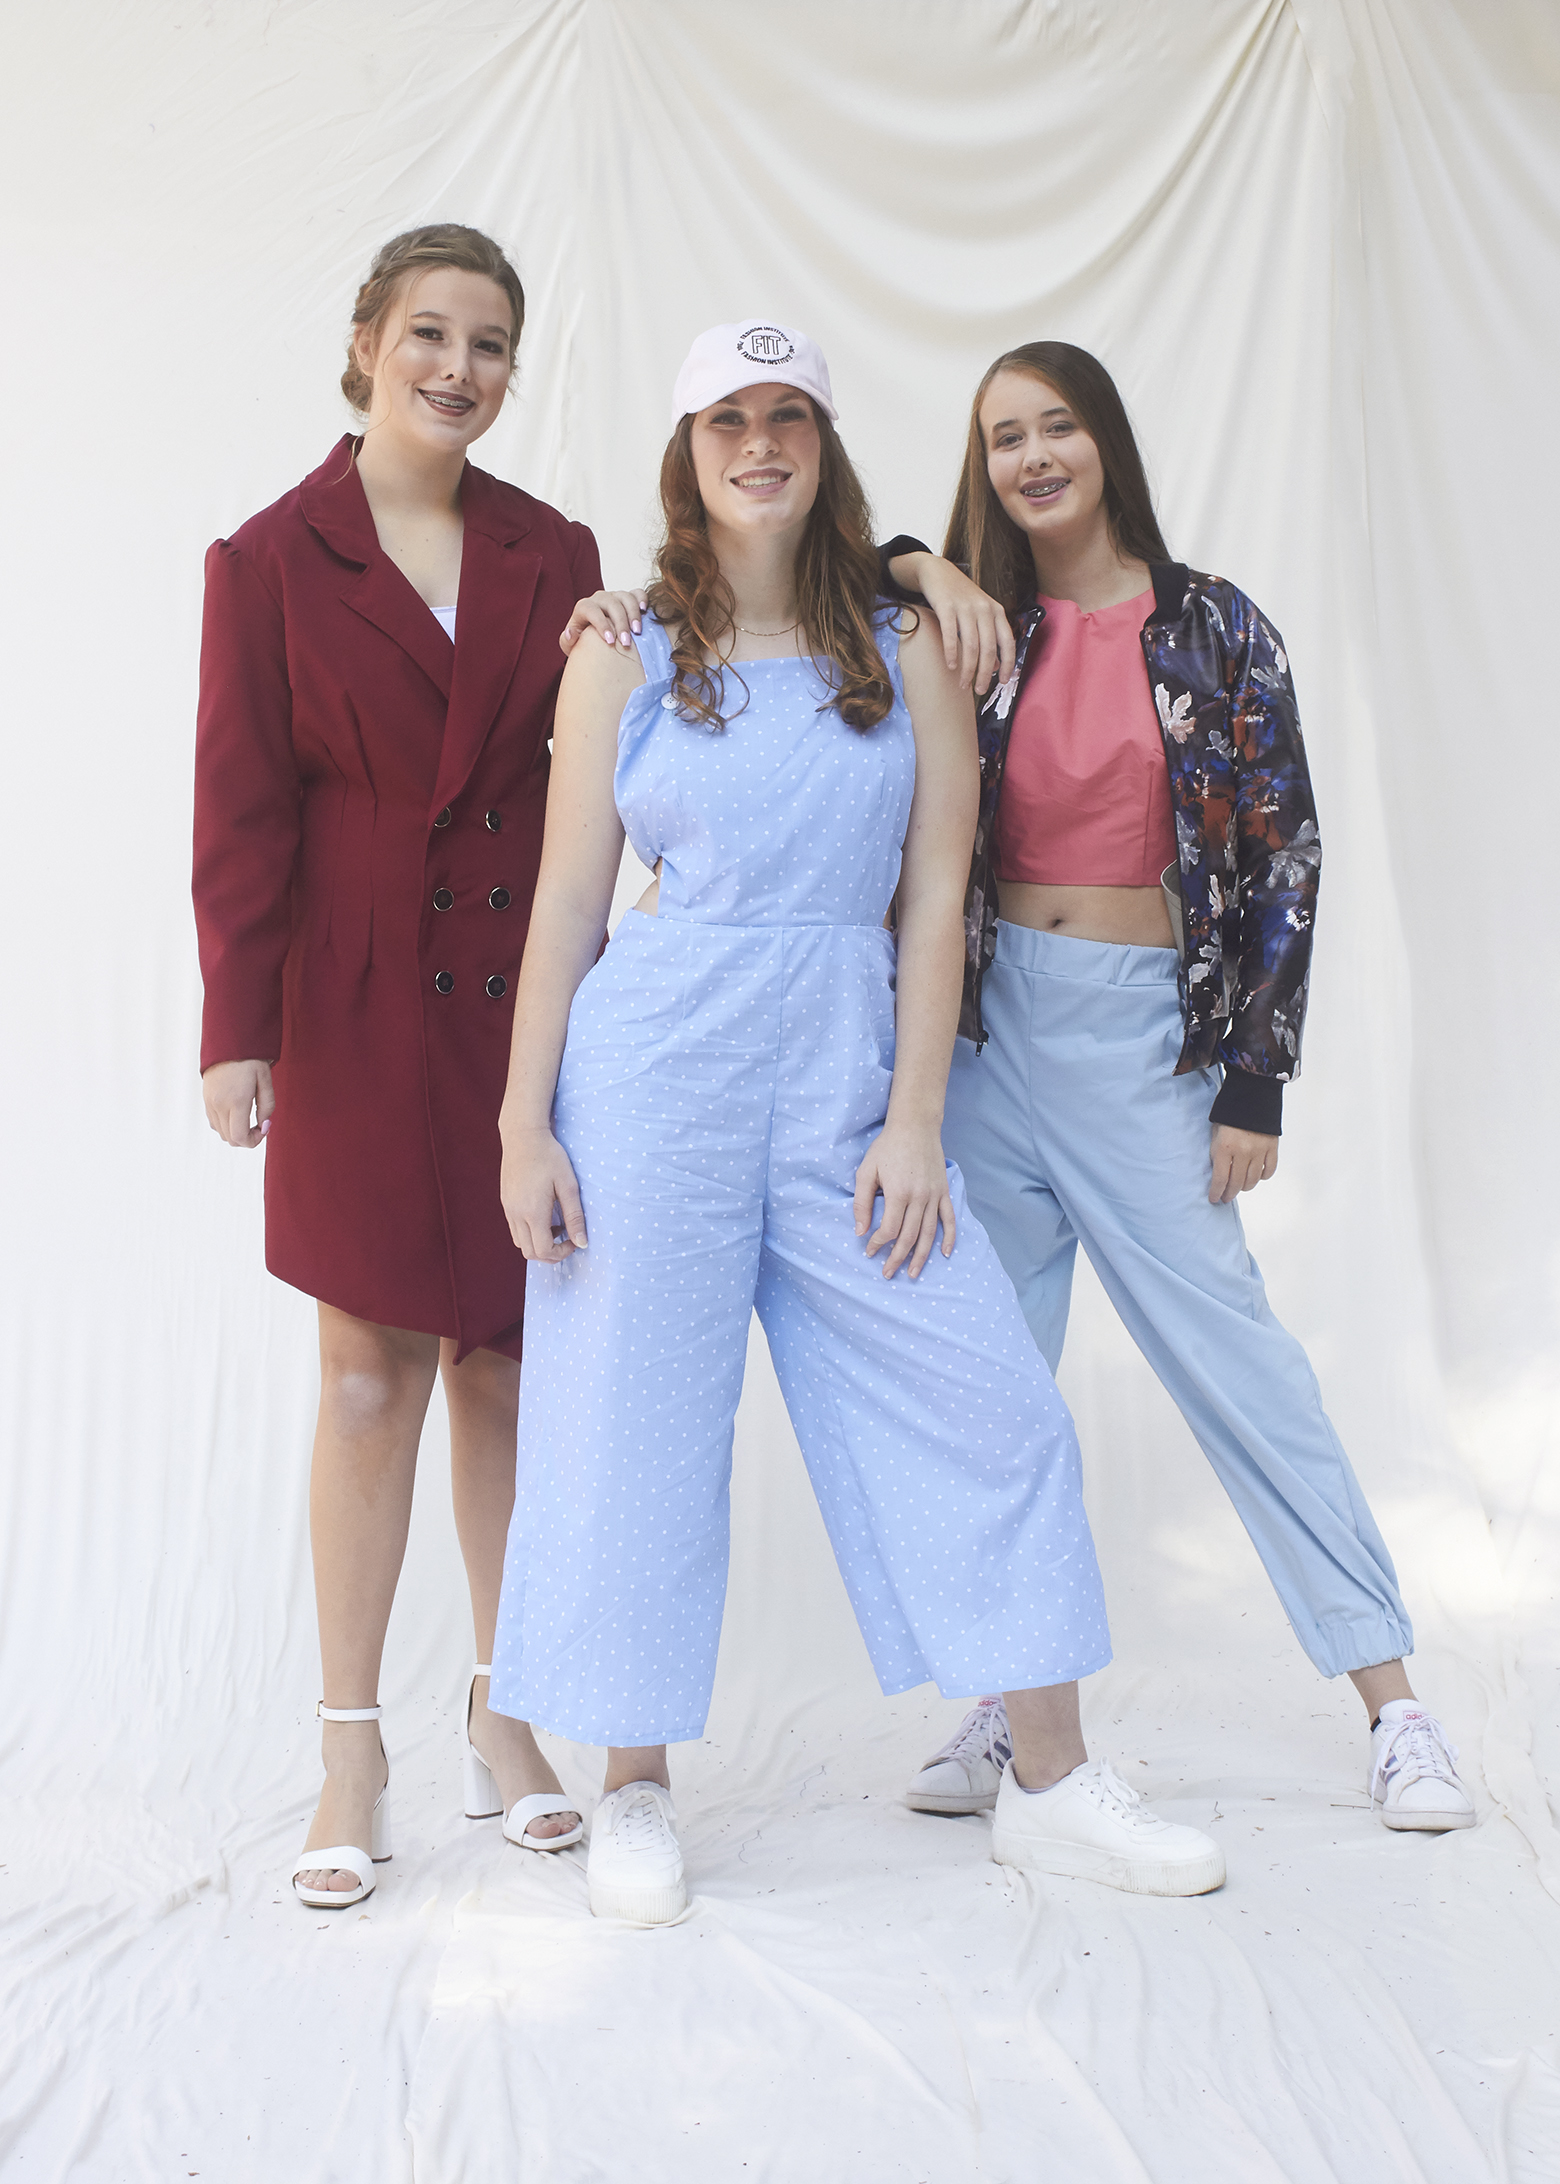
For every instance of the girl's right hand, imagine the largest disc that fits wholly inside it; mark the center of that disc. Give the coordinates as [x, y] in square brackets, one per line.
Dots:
[614, 613]
[541, 1197]
[235, 1091]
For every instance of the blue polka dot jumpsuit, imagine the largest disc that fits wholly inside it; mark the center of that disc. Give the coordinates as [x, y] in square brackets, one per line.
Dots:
[728, 1063]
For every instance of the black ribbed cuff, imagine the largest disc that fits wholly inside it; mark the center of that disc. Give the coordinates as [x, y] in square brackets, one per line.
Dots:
[1247, 1102]
[891, 589]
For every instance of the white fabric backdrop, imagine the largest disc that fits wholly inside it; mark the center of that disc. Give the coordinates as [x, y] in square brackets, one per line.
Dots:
[1316, 240]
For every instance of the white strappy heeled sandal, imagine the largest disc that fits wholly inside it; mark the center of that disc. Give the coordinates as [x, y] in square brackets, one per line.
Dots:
[484, 1803]
[346, 1856]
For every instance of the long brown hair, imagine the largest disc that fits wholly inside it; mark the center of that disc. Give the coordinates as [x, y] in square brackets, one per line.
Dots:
[421, 250]
[837, 584]
[982, 536]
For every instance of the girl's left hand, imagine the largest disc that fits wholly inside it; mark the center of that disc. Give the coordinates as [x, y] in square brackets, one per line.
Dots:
[978, 641]
[1241, 1160]
[905, 1166]
[614, 615]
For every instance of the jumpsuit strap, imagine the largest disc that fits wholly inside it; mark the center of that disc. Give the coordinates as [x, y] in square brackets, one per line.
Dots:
[655, 648]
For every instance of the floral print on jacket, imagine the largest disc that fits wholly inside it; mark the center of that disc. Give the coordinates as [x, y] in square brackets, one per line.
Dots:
[1245, 823]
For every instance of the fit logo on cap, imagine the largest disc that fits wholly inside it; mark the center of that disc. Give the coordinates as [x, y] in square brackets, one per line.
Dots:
[765, 345]
[750, 352]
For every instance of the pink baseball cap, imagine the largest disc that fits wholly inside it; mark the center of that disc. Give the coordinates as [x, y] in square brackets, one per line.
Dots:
[751, 353]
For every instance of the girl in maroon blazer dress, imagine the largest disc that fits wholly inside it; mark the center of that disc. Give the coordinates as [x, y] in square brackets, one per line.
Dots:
[378, 669]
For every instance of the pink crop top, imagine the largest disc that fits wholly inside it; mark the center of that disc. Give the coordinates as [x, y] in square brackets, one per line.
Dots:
[1086, 794]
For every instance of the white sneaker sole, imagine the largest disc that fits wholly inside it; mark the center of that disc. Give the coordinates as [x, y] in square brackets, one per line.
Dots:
[1426, 1823]
[640, 1906]
[1078, 1862]
[950, 1800]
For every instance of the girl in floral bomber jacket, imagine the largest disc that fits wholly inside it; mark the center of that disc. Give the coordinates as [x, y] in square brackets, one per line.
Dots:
[1138, 925]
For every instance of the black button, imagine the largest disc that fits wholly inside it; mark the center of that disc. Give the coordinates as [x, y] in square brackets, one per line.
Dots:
[500, 898]
[445, 982]
[498, 985]
[495, 821]
[443, 899]
[444, 817]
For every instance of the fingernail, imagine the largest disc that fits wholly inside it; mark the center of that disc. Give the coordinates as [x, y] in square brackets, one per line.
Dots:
[265, 1127]
[606, 636]
[636, 629]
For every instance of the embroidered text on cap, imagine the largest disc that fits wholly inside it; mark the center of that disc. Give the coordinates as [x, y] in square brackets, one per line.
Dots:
[766, 345]
[746, 352]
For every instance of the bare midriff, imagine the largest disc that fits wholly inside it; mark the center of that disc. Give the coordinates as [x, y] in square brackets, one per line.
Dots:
[1133, 916]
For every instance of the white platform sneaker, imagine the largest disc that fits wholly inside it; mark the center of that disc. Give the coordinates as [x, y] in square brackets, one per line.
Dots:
[347, 1857]
[1092, 1826]
[484, 1803]
[1413, 1772]
[636, 1870]
[964, 1776]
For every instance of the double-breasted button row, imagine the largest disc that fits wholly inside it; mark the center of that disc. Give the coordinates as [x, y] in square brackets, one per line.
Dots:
[500, 899]
[493, 820]
[495, 987]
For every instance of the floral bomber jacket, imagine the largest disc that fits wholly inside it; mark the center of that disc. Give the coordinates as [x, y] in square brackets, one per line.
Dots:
[1248, 849]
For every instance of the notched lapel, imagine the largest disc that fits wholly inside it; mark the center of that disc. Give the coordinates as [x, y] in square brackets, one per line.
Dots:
[382, 596]
[336, 506]
[498, 581]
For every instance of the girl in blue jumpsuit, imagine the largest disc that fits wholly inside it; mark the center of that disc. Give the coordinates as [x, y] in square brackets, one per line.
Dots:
[722, 1105]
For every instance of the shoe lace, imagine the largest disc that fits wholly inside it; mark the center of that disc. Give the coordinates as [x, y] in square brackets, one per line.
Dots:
[1418, 1748]
[983, 1734]
[642, 1823]
[1126, 1802]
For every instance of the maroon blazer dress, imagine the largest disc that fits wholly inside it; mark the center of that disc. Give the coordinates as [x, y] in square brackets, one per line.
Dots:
[368, 825]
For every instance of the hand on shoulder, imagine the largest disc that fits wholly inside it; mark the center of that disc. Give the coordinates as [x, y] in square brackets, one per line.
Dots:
[930, 681]
[595, 673]
[614, 615]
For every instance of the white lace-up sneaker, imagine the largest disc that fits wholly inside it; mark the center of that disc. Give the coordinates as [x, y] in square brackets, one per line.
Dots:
[1413, 1771]
[1092, 1826]
[635, 1869]
[964, 1776]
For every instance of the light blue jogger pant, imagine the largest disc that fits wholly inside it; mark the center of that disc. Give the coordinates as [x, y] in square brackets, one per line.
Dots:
[1071, 1127]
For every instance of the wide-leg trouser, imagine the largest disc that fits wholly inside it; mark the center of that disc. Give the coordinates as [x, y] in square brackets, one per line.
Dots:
[1071, 1127]
[720, 1086]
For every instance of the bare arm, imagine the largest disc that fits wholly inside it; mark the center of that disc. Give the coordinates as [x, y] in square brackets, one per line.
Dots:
[977, 636]
[905, 1163]
[581, 851]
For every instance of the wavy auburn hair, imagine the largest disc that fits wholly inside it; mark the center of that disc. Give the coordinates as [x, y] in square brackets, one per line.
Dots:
[837, 587]
[982, 536]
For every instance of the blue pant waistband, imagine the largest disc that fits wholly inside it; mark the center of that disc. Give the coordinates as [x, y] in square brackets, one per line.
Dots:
[1097, 962]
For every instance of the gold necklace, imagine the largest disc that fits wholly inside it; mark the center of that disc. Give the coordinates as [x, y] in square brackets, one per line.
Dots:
[743, 631]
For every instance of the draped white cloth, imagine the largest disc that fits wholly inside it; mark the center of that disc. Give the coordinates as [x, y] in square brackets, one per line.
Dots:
[1316, 241]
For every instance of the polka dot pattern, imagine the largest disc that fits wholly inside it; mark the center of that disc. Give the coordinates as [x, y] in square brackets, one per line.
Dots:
[728, 1063]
